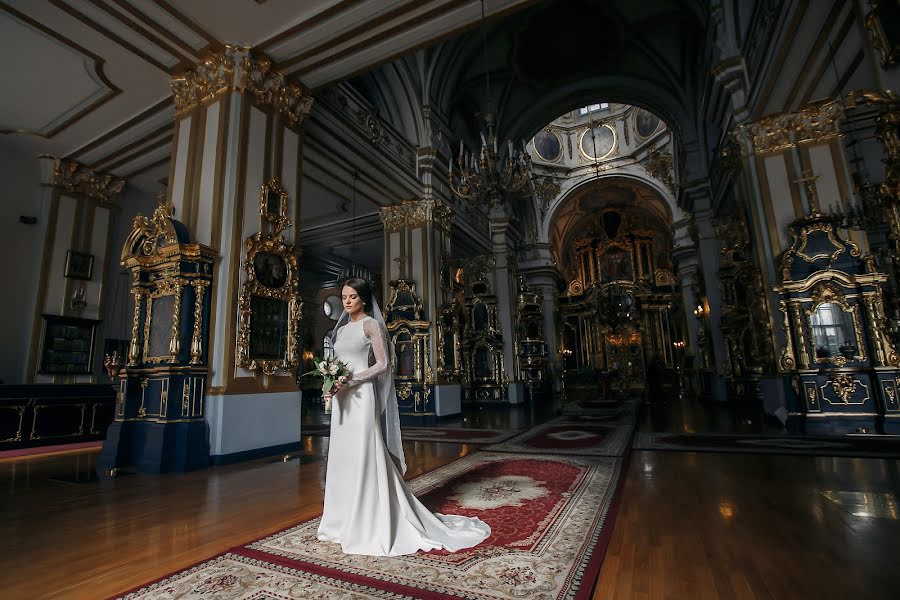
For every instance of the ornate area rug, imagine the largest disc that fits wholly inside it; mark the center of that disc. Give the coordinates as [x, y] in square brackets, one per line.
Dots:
[434, 434]
[588, 435]
[602, 407]
[849, 445]
[551, 518]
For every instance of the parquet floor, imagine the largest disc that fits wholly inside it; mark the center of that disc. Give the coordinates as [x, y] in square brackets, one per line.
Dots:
[691, 526]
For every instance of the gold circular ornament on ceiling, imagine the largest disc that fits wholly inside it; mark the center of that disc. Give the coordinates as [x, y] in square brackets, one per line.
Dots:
[602, 138]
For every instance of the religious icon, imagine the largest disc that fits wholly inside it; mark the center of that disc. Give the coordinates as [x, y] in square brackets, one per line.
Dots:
[645, 123]
[546, 144]
[615, 265]
[270, 269]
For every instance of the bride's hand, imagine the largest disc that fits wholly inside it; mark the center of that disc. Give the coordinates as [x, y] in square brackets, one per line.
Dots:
[339, 384]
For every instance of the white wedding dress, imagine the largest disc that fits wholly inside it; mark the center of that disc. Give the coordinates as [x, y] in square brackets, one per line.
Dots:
[368, 507]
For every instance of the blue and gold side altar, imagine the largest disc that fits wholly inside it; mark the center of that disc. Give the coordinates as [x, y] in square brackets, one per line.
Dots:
[160, 424]
[843, 369]
[410, 354]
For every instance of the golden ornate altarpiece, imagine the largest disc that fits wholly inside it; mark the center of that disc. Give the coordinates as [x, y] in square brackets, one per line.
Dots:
[160, 420]
[269, 306]
[845, 372]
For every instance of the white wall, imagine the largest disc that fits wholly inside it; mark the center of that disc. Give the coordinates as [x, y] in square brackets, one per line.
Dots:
[21, 247]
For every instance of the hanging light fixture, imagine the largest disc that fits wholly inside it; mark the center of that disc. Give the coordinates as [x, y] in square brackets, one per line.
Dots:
[354, 270]
[485, 176]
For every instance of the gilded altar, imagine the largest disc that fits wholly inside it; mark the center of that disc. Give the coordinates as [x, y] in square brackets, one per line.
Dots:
[160, 423]
[843, 366]
[410, 354]
[531, 340]
[617, 312]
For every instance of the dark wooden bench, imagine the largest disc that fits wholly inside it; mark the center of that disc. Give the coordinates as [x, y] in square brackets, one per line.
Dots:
[43, 414]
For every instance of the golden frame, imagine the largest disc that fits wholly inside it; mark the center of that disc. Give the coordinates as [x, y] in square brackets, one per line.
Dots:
[419, 341]
[804, 239]
[827, 294]
[288, 293]
[166, 287]
[612, 149]
[277, 216]
[601, 249]
[558, 139]
[634, 127]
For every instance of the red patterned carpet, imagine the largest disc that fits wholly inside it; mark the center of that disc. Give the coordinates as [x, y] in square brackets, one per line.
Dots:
[435, 434]
[582, 436]
[551, 517]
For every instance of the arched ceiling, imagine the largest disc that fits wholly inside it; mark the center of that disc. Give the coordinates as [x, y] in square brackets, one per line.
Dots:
[562, 54]
[576, 217]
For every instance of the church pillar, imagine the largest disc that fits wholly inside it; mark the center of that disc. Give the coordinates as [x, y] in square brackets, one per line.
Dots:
[537, 266]
[505, 277]
[76, 228]
[239, 126]
[416, 243]
[709, 306]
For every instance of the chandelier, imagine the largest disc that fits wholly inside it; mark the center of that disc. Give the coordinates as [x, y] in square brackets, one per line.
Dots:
[617, 307]
[485, 176]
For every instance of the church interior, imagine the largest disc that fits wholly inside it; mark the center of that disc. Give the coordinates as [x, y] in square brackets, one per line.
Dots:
[642, 293]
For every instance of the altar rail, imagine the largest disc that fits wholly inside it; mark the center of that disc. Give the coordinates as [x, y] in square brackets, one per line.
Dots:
[43, 415]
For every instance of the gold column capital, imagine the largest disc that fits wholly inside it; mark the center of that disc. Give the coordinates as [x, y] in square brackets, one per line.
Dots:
[241, 69]
[74, 177]
[416, 213]
[817, 121]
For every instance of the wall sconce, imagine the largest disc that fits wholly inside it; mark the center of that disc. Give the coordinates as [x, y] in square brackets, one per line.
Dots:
[308, 355]
[79, 299]
[680, 344]
[565, 352]
[702, 309]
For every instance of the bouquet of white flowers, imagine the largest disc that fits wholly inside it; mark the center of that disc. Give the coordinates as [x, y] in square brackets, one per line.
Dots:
[330, 370]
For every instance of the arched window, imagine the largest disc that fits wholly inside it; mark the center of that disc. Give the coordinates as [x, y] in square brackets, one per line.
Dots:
[328, 347]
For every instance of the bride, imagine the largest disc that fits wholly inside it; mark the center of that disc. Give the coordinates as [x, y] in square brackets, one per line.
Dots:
[368, 507]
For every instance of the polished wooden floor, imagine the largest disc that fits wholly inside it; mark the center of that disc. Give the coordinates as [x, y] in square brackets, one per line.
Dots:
[691, 525]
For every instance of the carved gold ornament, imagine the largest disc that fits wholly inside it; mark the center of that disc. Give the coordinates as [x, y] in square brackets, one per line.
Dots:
[236, 68]
[273, 205]
[816, 122]
[545, 190]
[889, 52]
[658, 165]
[371, 124]
[73, 177]
[844, 387]
[576, 288]
[787, 361]
[828, 230]
[416, 213]
[148, 236]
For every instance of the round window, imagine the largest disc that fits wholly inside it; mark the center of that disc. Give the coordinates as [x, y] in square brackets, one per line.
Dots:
[332, 307]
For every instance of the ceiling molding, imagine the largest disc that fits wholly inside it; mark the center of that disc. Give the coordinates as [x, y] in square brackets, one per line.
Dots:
[115, 37]
[121, 129]
[98, 64]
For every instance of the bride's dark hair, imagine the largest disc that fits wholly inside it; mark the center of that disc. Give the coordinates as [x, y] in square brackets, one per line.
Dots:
[364, 290]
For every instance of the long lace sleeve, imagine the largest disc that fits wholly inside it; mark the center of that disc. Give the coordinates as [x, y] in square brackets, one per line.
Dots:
[382, 362]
